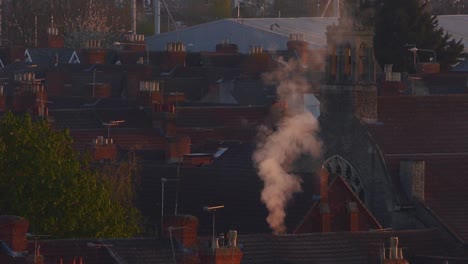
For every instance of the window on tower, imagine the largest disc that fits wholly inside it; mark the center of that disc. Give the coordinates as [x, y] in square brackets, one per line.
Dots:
[347, 62]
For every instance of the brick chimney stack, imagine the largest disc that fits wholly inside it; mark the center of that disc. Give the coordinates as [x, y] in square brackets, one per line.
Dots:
[96, 54]
[2, 99]
[176, 148]
[13, 232]
[134, 42]
[29, 94]
[258, 61]
[353, 214]
[103, 149]
[412, 175]
[224, 253]
[150, 93]
[54, 40]
[182, 228]
[175, 56]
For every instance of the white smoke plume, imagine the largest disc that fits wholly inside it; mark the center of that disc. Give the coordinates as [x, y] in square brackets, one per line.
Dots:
[277, 149]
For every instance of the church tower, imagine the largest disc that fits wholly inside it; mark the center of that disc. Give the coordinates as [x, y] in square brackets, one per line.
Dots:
[349, 87]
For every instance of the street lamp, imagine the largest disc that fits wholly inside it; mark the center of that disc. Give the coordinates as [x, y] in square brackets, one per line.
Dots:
[415, 50]
[212, 209]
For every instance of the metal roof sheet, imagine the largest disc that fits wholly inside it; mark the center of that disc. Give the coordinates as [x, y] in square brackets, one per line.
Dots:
[272, 33]
[246, 33]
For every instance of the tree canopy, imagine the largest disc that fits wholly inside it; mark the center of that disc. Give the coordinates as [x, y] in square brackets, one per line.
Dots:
[43, 179]
[403, 24]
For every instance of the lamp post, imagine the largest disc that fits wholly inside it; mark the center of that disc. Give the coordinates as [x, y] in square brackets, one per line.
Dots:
[212, 209]
[415, 50]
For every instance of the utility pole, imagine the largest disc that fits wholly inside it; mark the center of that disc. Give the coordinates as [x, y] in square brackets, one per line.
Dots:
[1, 16]
[157, 17]
[133, 10]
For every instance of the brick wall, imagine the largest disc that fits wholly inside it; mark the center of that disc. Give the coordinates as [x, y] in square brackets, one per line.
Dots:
[13, 232]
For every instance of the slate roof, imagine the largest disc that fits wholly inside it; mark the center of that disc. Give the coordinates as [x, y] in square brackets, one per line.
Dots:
[128, 139]
[258, 31]
[221, 116]
[47, 56]
[461, 67]
[68, 249]
[419, 246]
[358, 247]
[245, 33]
[79, 114]
[433, 129]
[141, 251]
[447, 83]
[236, 188]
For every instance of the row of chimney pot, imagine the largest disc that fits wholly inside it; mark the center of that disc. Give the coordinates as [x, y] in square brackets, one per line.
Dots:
[228, 240]
[25, 76]
[52, 31]
[149, 86]
[135, 37]
[93, 43]
[175, 47]
[393, 252]
[256, 49]
[296, 37]
[100, 140]
[35, 88]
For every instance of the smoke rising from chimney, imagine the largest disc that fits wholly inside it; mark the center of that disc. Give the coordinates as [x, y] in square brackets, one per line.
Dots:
[277, 149]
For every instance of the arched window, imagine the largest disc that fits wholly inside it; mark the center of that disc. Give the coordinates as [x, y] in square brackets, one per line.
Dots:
[337, 164]
[362, 61]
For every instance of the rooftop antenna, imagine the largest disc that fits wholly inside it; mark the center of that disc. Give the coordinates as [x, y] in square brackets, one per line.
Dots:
[133, 10]
[176, 27]
[1, 12]
[157, 17]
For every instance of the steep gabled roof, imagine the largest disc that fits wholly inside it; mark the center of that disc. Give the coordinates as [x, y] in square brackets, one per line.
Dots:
[339, 195]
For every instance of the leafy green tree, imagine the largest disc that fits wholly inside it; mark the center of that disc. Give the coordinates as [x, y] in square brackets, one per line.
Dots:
[400, 24]
[44, 180]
